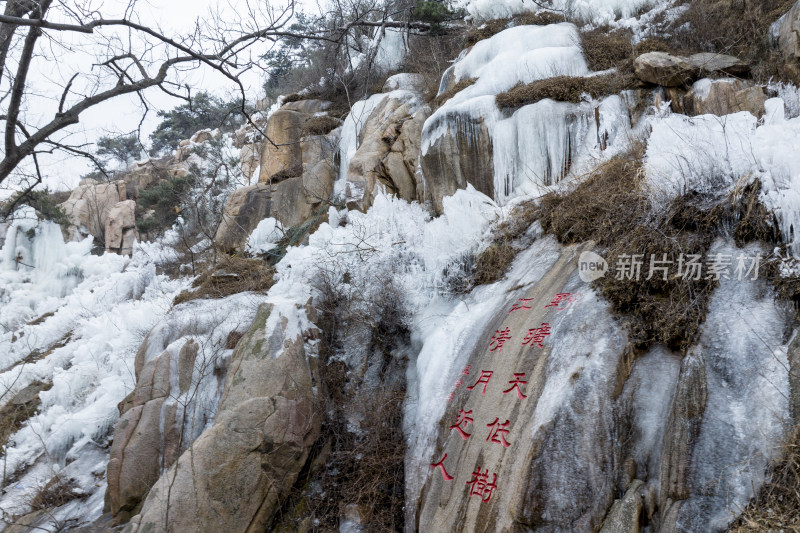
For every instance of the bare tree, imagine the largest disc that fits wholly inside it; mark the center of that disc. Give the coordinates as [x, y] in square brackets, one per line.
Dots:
[131, 57]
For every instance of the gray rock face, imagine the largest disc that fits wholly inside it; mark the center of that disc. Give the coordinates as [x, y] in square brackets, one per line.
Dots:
[388, 154]
[463, 156]
[667, 70]
[233, 477]
[245, 208]
[723, 97]
[606, 438]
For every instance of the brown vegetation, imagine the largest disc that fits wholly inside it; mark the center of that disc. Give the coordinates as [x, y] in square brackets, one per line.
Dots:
[452, 91]
[565, 89]
[231, 275]
[494, 27]
[57, 492]
[322, 125]
[612, 208]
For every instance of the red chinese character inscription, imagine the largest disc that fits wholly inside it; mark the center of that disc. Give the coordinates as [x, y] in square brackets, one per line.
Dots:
[499, 339]
[461, 422]
[484, 378]
[481, 486]
[498, 432]
[537, 335]
[520, 305]
[515, 385]
[440, 464]
[561, 301]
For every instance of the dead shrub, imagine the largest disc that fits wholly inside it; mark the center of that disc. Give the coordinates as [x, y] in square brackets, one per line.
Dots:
[233, 339]
[605, 49]
[322, 125]
[611, 208]
[452, 91]
[740, 28]
[565, 89]
[294, 97]
[777, 505]
[431, 56]
[493, 27]
[364, 467]
[57, 492]
[231, 275]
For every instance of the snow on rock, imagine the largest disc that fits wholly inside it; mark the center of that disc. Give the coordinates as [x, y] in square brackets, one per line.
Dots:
[268, 232]
[715, 154]
[597, 11]
[92, 313]
[537, 145]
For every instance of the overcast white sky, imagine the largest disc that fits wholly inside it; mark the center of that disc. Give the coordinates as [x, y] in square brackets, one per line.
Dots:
[175, 17]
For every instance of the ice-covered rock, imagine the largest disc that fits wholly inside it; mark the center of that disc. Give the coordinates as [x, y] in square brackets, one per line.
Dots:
[469, 140]
[237, 472]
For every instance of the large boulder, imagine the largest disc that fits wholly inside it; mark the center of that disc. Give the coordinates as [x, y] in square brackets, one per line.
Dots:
[289, 204]
[179, 369]
[786, 33]
[120, 230]
[723, 97]
[463, 155]
[404, 81]
[90, 203]
[236, 473]
[664, 69]
[281, 153]
[388, 153]
[245, 208]
[661, 68]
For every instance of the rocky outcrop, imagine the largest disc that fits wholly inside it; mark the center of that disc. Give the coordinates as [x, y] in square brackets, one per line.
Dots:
[245, 208]
[404, 81]
[463, 155]
[722, 97]
[233, 477]
[281, 153]
[661, 68]
[120, 230]
[786, 33]
[144, 445]
[388, 152]
[624, 514]
[682, 430]
[178, 367]
[90, 203]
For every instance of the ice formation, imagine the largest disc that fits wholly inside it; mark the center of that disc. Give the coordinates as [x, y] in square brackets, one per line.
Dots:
[542, 143]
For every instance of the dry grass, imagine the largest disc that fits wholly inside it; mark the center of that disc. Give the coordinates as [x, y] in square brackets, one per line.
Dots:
[231, 275]
[736, 27]
[452, 91]
[611, 207]
[777, 506]
[322, 125]
[57, 492]
[493, 27]
[565, 89]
